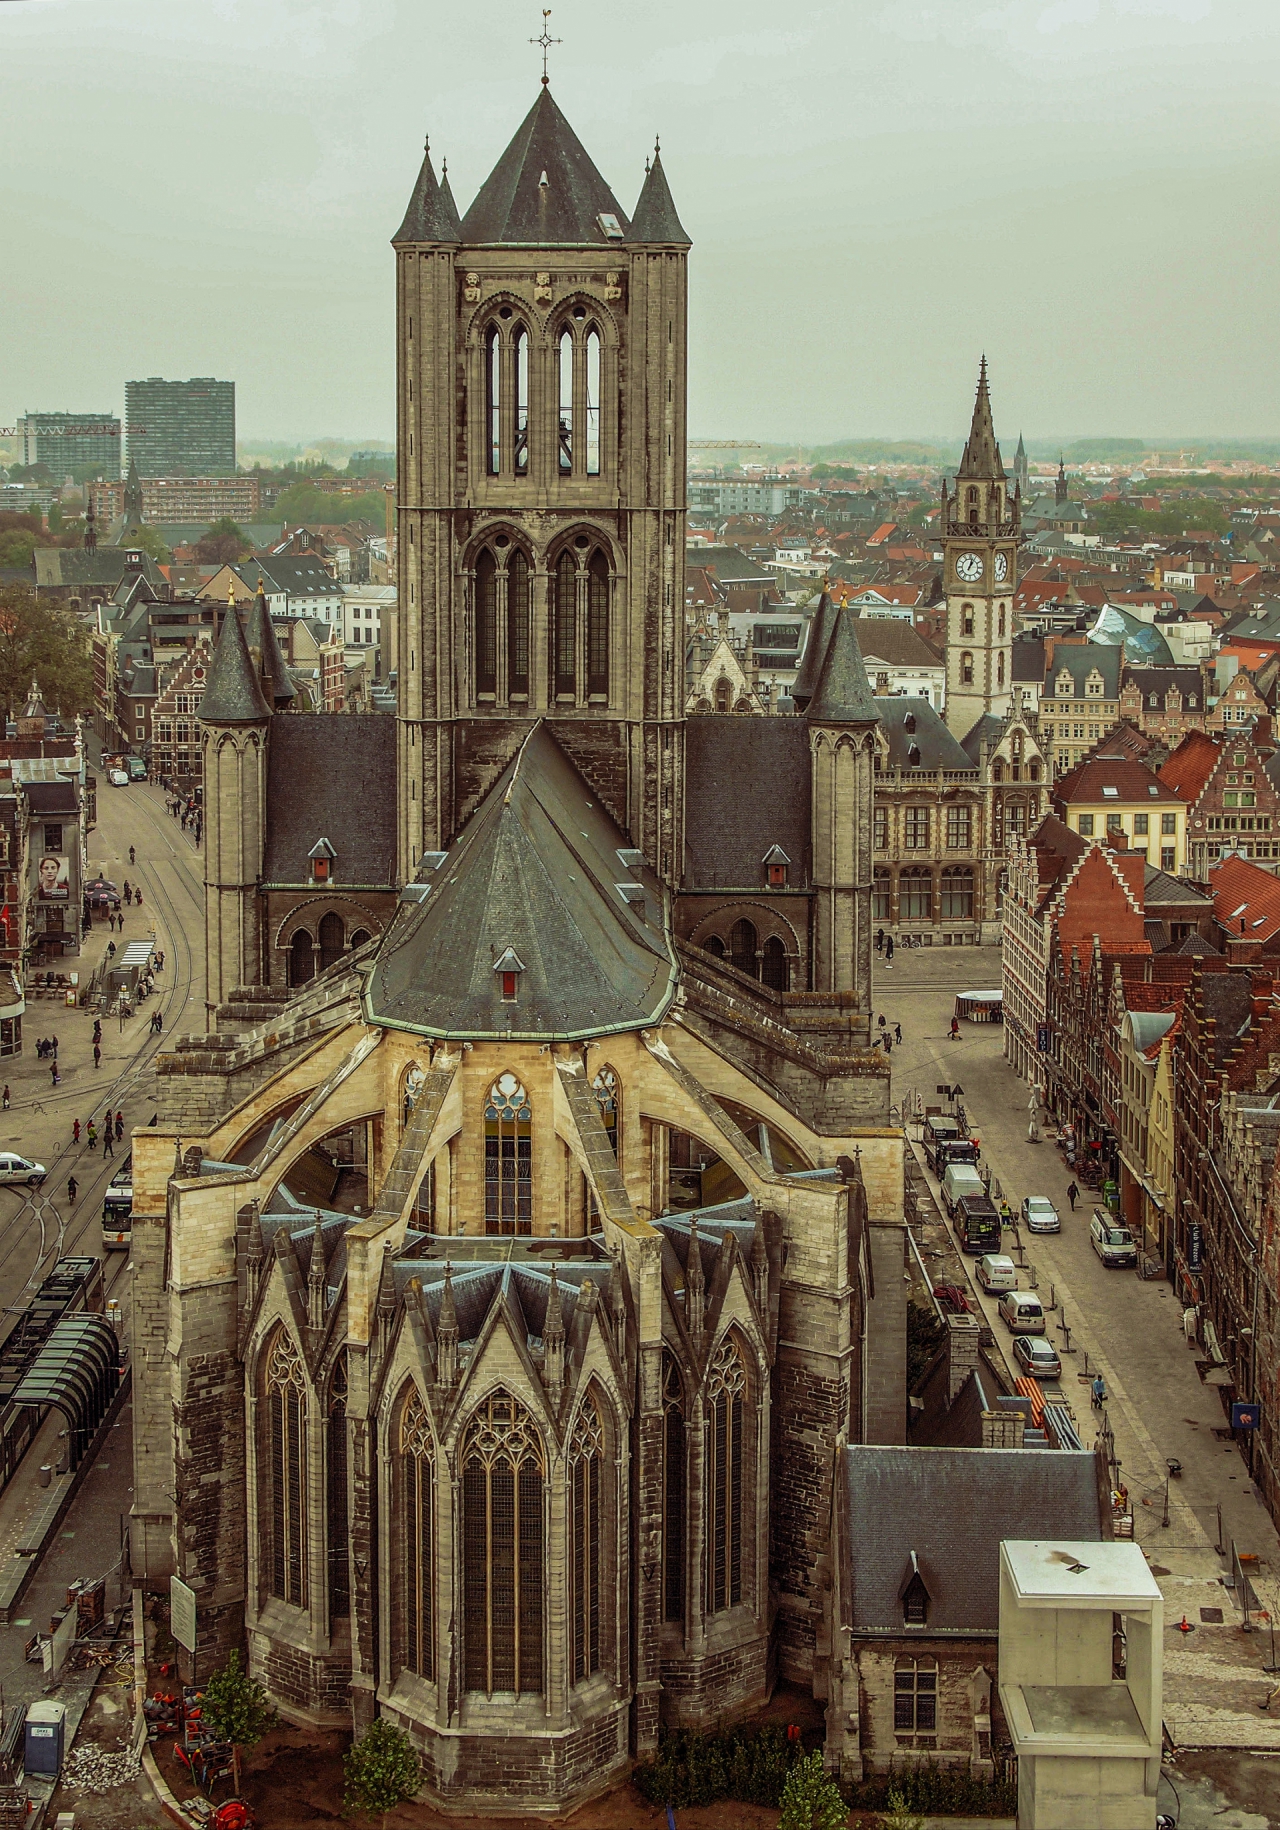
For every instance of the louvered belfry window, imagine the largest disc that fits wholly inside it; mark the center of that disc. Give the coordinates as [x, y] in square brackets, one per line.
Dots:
[586, 1457]
[725, 1444]
[673, 1491]
[339, 1567]
[287, 1415]
[502, 1548]
[417, 1476]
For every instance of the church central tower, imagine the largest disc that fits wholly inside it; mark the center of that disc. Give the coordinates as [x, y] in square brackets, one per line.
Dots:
[980, 527]
[541, 488]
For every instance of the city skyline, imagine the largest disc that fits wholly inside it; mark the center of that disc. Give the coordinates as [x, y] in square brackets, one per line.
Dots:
[873, 201]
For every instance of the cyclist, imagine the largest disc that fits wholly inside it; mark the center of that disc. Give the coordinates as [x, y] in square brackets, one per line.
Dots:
[132, 856]
[71, 1191]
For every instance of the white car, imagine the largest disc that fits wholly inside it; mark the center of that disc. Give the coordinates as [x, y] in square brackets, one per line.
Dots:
[117, 778]
[14, 1168]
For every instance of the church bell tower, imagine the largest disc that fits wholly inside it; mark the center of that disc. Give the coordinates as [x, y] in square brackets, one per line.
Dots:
[980, 527]
[541, 488]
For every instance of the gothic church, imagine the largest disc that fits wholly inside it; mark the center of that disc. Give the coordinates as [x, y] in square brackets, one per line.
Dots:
[505, 1292]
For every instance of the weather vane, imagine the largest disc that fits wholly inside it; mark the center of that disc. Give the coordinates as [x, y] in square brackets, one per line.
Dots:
[546, 41]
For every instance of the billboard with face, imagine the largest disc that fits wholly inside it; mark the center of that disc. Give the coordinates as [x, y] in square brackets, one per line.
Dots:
[53, 875]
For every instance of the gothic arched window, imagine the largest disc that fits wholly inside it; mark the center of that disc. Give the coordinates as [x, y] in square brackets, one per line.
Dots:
[486, 623]
[285, 1510]
[674, 1451]
[502, 1548]
[360, 938]
[508, 1158]
[302, 963]
[714, 944]
[605, 1088]
[336, 1473]
[774, 970]
[1002, 619]
[723, 691]
[1000, 667]
[564, 626]
[565, 364]
[493, 399]
[517, 624]
[593, 401]
[521, 452]
[598, 625]
[333, 940]
[727, 1464]
[742, 948]
[417, 1537]
[586, 1461]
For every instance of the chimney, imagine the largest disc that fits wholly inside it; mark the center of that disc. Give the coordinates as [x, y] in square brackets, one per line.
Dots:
[1002, 1429]
[962, 1351]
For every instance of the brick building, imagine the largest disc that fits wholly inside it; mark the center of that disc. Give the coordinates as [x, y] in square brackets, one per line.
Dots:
[1232, 804]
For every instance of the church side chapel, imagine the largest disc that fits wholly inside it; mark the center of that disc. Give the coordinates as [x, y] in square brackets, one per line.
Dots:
[505, 1292]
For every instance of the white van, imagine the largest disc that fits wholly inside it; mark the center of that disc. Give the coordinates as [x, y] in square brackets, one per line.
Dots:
[995, 1272]
[1021, 1312]
[960, 1179]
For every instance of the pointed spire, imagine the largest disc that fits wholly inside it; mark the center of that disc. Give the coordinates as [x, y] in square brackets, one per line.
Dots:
[843, 694]
[447, 1333]
[981, 454]
[815, 652]
[276, 684]
[545, 190]
[553, 1343]
[317, 1280]
[432, 214]
[1060, 488]
[232, 694]
[695, 1285]
[655, 219]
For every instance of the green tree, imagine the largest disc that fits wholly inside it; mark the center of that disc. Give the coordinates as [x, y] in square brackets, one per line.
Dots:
[223, 542]
[899, 1817]
[149, 542]
[45, 640]
[811, 1798]
[16, 548]
[235, 1709]
[304, 504]
[382, 1769]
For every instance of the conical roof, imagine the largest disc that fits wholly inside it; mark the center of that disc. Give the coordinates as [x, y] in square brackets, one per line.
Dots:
[655, 218]
[432, 214]
[544, 191]
[843, 694]
[536, 890]
[263, 637]
[232, 694]
[981, 453]
[815, 652]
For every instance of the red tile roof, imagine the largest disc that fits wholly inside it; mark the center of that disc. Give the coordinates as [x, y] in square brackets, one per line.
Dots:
[1244, 892]
[1190, 766]
[1133, 781]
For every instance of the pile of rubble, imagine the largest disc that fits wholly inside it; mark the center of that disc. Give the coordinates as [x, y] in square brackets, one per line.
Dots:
[94, 1769]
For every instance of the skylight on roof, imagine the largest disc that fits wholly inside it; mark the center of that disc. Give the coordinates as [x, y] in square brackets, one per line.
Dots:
[610, 224]
[1153, 787]
[1112, 794]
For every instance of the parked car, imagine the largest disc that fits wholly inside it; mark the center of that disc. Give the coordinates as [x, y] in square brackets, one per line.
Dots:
[118, 778]
[1037, 1357]
[1021, 1312]
[1039, 1215]
[1113, 1242]
[15, 1168]
[996, 1272]
[959, 1179]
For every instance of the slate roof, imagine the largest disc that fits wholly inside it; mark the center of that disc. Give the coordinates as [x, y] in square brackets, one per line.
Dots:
[889, 639]
[988, 729]
[1028, 660]
[1162, 888]
[304, 576]
[843, 693]
[1080, 659]
[65, 565]
[981, 453]
[952, 1507]
[537, 869]
[262, 636]
[655, 218]
[432, 214]
[52, 797]
[937, 747]
[331, 778]
[730, 823]
[815, 651]
[1160, 680]
[232, 694]
[515, 207]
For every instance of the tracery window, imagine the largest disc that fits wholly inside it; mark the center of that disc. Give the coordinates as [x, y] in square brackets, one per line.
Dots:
[417, 1537]
[598, 624]
[336, 1475]
[593, 401]
[674, 1443]
[521, 450]
[564, 637]
[486, 623]
[508, 1158]
[332, 939]
[502, 1548]
[726, 1444]
[586, 1459]
[517, 624]
[285, 1512]
[565, 356]
[774, 968]
[493, 397]
[742, 948]
[605, 1088]
[302, 963]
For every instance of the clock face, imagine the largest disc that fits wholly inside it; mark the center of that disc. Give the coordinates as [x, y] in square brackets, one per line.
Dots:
[969, 567]
[1001, 567]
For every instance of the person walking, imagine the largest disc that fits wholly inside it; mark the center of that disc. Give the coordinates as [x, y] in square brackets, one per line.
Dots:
[53, 1072]
[881, 1020]
[108, 1143]
[955, 1029]
[137, 899]
[1072, 1192]
[97, 1062]
[97, 1029]
[5, 1097]
[55, 1048]
[132, 855]
[119, 1126]
[888, 949]
[888, 1043]
[1099, 1392]
[93, 1135]
[75, 1132]
[127, 891]
[897, 1032]
[879, 940]
[71, 1191]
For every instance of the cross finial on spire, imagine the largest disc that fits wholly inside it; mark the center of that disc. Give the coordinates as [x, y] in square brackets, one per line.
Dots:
[546, 41]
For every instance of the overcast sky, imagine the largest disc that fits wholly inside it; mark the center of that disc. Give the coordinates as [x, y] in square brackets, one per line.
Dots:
[876, 191]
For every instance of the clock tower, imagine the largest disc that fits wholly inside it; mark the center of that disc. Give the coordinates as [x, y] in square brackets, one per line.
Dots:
[980, 533]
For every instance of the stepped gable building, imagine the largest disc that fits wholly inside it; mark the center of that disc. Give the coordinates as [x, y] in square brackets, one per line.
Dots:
[512, 1283]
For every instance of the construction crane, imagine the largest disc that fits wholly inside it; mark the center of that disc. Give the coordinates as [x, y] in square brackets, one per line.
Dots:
[724, 444]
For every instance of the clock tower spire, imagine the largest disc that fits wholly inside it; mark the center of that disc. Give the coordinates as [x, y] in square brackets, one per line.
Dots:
[980, 532]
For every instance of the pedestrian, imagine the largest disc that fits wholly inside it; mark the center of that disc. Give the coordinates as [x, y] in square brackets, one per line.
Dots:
[881, 1020]
[119, 1126]
[75, 1132]
[71, 1191]
[1099, 1392]
[127, 891]
[53, 1072]
[93, 1135]
[159, 962]
[111, 949]
[897, 1032]
[955, 1029]
[5, 1097]
[131, 855]
[97, 1029]
[1072, 1192]
[158, 1020]
[108, 1143]
[888, 949]
[137, 899]
[879, 940]
[55, 1048]
[97, 1062]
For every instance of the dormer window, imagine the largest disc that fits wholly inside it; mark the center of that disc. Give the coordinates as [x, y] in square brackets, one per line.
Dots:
[322, 857]
[1066, 685]
[776, 862]
[914, 1596]
[508, 969]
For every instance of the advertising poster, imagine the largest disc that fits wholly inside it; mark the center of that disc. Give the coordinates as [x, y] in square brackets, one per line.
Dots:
[54, 876]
